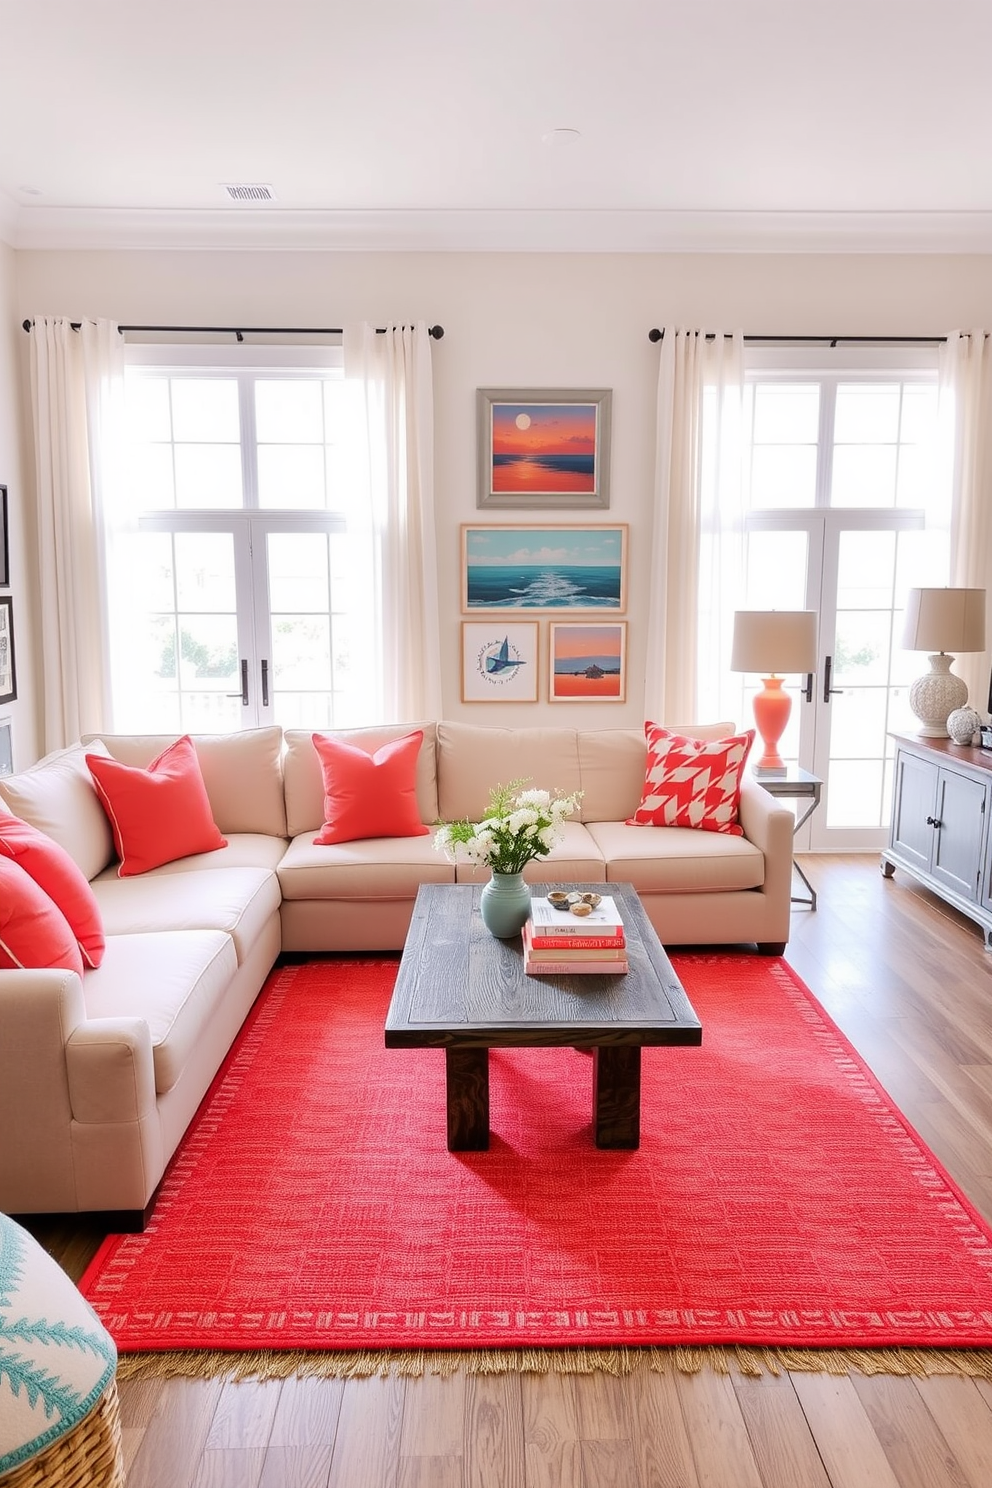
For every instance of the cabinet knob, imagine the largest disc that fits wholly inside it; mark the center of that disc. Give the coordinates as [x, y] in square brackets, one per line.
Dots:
[933, 821]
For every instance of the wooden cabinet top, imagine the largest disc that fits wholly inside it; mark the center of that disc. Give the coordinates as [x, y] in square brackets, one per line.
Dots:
[945, 751]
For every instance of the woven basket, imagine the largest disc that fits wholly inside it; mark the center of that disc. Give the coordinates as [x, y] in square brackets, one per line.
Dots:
[89, 1456]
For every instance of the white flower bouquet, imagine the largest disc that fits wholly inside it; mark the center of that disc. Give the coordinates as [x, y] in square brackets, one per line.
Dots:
[518, 825]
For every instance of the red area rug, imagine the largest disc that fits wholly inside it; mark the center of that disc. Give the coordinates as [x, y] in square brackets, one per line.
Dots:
[777, 1197]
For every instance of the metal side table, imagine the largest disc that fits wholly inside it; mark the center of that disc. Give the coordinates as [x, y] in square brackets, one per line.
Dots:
[798, 785]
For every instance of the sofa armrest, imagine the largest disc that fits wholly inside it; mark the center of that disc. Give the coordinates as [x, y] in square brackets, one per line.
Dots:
[769, 826]
[110, 1070]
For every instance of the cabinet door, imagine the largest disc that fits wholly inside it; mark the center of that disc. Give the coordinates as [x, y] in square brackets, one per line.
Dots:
[914, 802]
[957, 853]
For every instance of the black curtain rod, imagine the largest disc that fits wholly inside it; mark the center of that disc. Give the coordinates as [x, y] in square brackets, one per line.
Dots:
[437, 331]
[656, 335]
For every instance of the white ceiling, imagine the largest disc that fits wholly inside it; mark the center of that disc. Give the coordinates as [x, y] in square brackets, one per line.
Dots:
[420, 124]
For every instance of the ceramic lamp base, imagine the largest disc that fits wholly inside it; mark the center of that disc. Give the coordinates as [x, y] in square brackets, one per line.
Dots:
[772, 707]
[934, 697]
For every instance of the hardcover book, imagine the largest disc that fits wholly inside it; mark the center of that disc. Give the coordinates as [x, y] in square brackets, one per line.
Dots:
[603, 920]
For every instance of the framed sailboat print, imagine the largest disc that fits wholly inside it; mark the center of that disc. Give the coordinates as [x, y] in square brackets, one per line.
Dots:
[499, 661]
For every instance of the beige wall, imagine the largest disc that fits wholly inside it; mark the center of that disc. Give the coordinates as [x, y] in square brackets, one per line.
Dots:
[524, 320]
[20, 520]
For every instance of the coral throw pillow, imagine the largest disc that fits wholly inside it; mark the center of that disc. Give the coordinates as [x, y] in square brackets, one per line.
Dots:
[61, 879]
[158, 814]
[369, 795]
[33, 931]
[692, 782]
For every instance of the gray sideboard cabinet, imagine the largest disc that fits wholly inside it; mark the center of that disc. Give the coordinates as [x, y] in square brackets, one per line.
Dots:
[939, 830]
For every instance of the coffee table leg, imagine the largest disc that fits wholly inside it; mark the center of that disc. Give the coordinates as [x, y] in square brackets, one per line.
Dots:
[468, 1099]
[616, 1095]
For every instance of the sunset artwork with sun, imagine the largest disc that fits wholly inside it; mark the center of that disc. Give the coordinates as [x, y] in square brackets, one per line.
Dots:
[540, 447]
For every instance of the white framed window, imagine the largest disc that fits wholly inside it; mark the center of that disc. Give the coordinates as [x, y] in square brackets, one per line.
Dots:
[243, 559]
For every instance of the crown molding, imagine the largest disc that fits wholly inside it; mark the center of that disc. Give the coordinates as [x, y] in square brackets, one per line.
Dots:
[490, 231]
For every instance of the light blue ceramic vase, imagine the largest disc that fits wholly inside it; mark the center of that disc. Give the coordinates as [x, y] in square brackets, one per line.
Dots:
[505, 904]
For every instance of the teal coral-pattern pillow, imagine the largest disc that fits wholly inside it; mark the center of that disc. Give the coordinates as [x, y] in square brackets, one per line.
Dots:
[56, 1357]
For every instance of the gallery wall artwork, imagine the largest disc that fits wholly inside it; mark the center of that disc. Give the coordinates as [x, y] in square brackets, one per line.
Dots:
[544, 448]
[8, 672]
[499, 661]
[4, 541]
[588, 663]
[550, 569]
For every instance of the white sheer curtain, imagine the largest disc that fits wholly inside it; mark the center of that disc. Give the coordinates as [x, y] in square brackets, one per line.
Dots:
[77, 384]
[392, 376]
[966, 376]
[697, 548]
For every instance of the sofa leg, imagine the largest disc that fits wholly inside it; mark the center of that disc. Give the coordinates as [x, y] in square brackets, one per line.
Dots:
[771, 948]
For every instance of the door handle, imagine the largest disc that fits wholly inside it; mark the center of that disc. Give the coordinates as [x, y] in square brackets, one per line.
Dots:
[828, 691]
[243, 694]
[265, 684]
[808, 689]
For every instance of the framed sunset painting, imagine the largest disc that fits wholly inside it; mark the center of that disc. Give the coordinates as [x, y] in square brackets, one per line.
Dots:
[544, 448]
[554, 569]
[588, 663]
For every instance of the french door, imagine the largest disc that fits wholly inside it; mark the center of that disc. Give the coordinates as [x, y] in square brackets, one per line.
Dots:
[247, 620]
[853, 567]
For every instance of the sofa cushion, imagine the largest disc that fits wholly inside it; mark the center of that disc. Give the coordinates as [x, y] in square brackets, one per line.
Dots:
[238, 900]
[57, 795]
[173, 980]
[472, 759]
[157, 814]
[61, 879]
[677, 860]
[304, 781]
[611, 765]
[373, 868]
[242, 774]
[243, 850]
[575, 858]
[692, 782]
[33, 931]
[369, 794]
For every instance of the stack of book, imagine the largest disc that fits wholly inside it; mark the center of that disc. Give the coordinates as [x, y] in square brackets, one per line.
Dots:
[557, 942]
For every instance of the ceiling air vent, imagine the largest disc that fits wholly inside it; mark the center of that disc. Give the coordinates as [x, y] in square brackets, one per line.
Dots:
[249, 193]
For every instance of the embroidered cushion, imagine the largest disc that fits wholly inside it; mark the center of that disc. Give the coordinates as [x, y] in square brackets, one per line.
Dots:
[33, 931]
[369, 795]
[55, 872]
[692, 782]
[159, 814]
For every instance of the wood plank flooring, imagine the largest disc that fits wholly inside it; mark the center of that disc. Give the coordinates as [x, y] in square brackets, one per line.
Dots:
[910, 983]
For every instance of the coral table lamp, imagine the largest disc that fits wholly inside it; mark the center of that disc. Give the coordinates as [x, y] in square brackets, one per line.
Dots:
[773, 643]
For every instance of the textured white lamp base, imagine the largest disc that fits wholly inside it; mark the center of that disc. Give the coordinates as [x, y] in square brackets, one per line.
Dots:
[935, 696]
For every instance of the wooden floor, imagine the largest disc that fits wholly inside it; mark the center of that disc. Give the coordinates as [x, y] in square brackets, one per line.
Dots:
[911, 984]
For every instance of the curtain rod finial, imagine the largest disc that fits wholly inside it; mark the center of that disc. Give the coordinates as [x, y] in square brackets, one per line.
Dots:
[656, 335]
[437, 331]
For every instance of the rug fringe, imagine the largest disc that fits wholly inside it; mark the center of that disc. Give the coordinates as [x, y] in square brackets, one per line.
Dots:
[751, 1361]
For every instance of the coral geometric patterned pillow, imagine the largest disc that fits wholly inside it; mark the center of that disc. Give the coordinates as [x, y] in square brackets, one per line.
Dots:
[692, 783]
[57, 874]
[33, 931]
[369, 795]
[159, 814]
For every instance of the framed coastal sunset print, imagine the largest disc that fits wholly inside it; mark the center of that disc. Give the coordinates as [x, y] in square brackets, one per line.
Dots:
[588, 663]
[552, 569]
[547, 448]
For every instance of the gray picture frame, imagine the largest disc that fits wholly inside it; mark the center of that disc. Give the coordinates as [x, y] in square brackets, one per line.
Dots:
[4, 541]
[8, 666]
[544, 448]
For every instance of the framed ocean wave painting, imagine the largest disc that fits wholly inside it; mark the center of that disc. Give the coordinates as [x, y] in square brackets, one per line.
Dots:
[553, 569]
[544, 448]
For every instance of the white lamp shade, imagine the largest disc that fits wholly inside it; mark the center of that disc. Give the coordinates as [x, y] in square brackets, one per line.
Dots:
[945, 620]
[774, 641]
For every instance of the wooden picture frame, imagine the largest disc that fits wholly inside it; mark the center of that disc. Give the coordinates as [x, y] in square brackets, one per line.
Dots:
[587, 662]
[8, 668]
[545, 447]
[4, 541]
[500, 661]
[556, 568]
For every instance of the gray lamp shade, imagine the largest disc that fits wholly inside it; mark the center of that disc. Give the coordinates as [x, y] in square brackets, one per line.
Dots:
[774, 641]
[945, 620]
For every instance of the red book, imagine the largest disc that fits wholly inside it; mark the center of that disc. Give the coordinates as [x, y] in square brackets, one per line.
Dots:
[573, 948]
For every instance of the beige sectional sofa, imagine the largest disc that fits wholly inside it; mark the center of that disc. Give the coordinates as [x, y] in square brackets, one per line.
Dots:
[101, 1075]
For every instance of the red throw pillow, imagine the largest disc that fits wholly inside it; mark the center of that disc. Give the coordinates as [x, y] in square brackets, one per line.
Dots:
[692, 782]
[158, 814]
[61, 879]
[369, 795]
[33, 931]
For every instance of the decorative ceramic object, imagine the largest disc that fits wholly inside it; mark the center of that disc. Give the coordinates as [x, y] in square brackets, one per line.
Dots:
[963, 724]
[505, 904]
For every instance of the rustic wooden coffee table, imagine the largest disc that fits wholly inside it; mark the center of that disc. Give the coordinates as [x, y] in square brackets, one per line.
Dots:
[460, 989]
